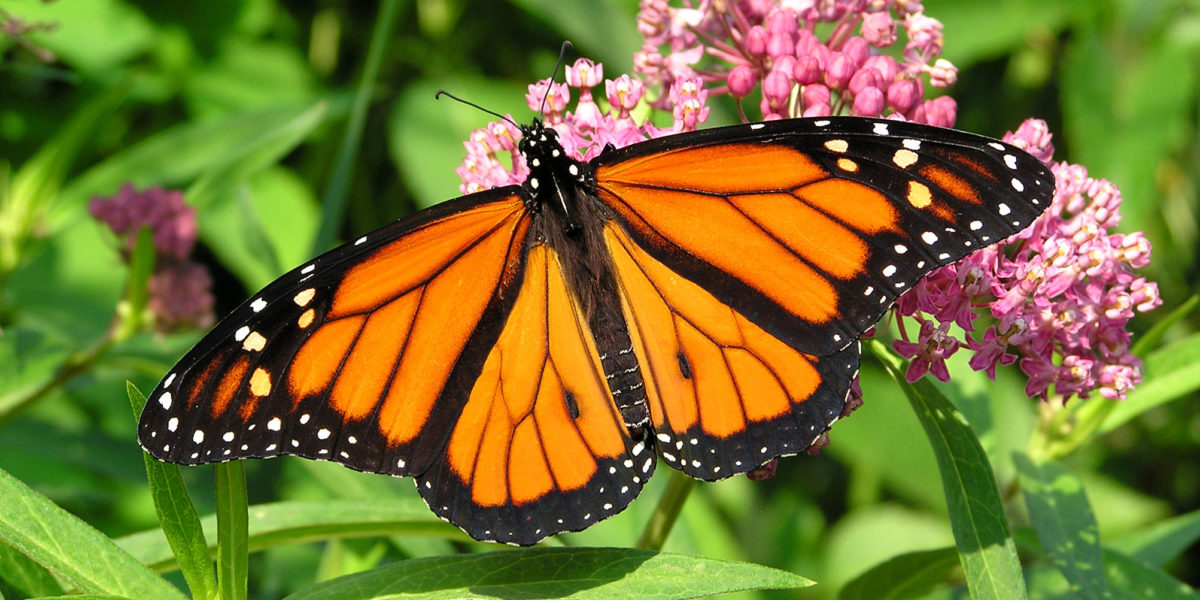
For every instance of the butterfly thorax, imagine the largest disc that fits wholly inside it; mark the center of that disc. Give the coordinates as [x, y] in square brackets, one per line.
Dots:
[567, 219]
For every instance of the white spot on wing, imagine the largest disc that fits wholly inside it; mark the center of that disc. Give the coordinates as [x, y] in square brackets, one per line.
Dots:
[881, 128]
[165, 400]
[275, 424]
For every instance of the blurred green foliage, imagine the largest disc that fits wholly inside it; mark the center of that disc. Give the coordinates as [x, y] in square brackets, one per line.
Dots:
[250, 106]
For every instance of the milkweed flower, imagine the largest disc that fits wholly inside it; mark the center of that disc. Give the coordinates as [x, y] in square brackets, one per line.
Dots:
[180, 289]
[1056, 298]
[735, 47]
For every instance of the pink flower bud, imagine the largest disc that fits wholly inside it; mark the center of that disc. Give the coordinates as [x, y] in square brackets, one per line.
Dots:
[741, 81]
[879, 30]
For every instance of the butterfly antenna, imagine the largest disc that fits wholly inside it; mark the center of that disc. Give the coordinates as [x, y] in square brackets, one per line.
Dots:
[440, 93]
[562, 56]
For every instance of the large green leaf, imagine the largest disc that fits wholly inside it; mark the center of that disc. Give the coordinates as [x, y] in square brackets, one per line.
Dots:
[1064, 523]
[981, 531]
[71, 549]
[286, 523]
[233, 569]
[1161, 542]
[177, 516]
[603, 573]
[911, 575]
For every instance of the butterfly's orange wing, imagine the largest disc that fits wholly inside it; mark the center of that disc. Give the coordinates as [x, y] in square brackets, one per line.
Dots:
[356, 356]
[540, 446]
[752, 258]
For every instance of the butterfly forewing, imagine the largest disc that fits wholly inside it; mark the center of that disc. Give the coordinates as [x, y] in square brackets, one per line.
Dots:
[344, 357]
[813, 227]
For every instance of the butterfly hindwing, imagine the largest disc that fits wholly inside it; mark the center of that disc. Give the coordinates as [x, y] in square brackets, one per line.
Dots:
[813, 227]
[539, 446]
[344, 357]
[724, 395]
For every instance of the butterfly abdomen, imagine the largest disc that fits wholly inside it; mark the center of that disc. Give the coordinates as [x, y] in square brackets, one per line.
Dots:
[621, 368]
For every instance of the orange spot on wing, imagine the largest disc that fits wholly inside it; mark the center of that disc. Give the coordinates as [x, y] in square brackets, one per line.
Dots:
[529, 477]
[721, 169]
[720, 410]
[489, 480]
[316, 364]
[823, 242]
[369, 366]
[858, 206]
[201, 380]
[260, 382]
[230, 382]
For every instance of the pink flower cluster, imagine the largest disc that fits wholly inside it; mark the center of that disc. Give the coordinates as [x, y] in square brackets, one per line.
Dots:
[741, 45]
[1060, 293]
[179, 288]
[585, 131]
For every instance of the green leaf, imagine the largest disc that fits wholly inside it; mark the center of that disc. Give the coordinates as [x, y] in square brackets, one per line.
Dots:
[1170, 374]
[177, 516]
[603, 573]
[981, 531]
[977, 31]
[603, 30]
[29, 362]
[911, 575]
[1062, 517]
[219, 186]
[289, 523]
[27, 579]
[1162, 541]
[232, 531]
[1135, 581]
[71, 549]
[179, 154]
[339, 180]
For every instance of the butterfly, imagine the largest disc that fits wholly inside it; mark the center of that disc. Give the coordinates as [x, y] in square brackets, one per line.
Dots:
[528, 353]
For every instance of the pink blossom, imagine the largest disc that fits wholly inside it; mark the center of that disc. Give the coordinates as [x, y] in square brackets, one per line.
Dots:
[179, 288]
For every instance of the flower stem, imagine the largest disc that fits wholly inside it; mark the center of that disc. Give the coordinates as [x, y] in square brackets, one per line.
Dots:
[667, 511]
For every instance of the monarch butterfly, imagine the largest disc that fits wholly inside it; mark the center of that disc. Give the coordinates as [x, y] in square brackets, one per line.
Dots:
[527, 353]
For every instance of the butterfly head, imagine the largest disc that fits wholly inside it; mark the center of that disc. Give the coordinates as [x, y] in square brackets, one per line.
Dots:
[554, 178]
